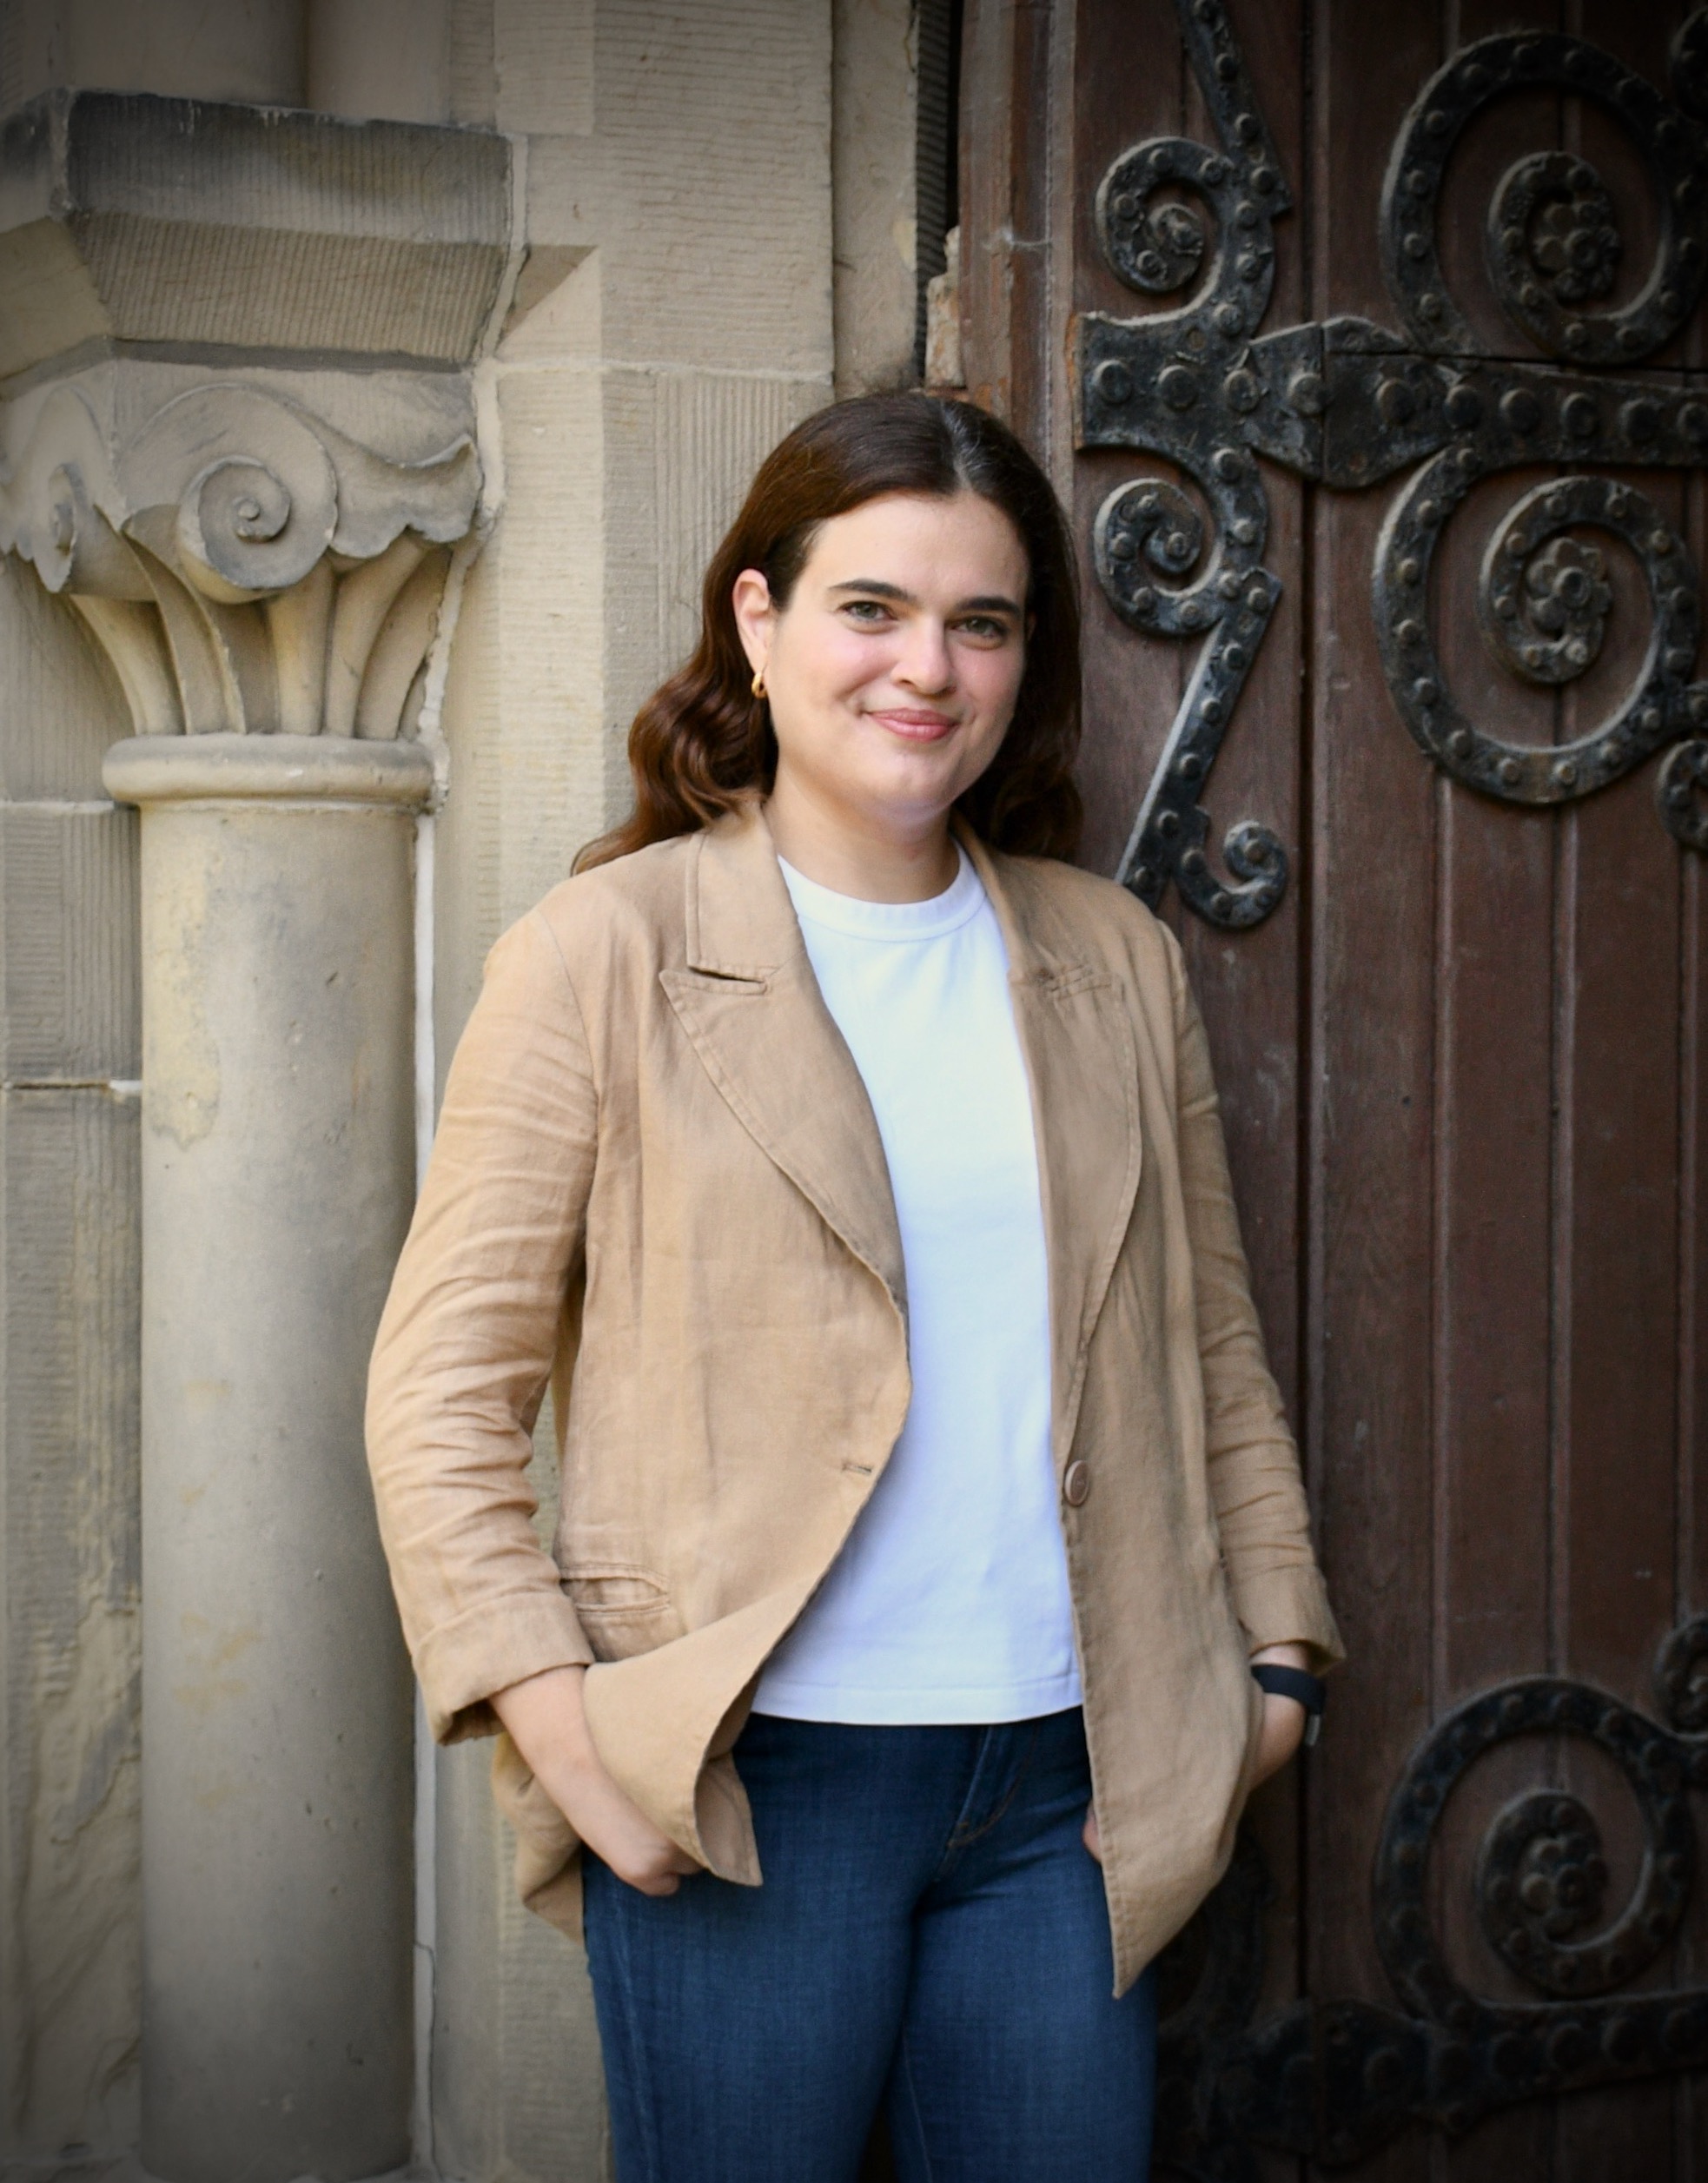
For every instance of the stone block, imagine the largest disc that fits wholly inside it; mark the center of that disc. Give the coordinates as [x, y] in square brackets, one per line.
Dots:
[68, 943]
[60, 704]
[875, 174]
[544, 53]
[242, 49]
[387, 60]
[683, 447]
[519, 2094]
[137, 219]
[524, 716]
[706, 182]
[69, 1634]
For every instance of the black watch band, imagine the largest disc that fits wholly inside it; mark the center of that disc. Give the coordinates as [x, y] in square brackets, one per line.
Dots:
[1276, 1681]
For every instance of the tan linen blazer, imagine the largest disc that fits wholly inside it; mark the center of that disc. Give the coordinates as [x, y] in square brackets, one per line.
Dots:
[657, 1183]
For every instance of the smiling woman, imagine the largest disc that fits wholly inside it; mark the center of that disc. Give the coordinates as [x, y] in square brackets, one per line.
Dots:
[850, 1164]
[706, 740]
[889, 696]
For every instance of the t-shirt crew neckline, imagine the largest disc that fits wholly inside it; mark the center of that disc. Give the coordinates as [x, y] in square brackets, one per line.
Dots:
[930, 920]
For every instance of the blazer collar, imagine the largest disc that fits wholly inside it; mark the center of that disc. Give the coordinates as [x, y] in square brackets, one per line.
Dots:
[741, 922]
[751, 1005]
[750, 1002]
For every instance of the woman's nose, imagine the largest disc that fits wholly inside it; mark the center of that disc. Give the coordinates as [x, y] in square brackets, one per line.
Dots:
[926, 664]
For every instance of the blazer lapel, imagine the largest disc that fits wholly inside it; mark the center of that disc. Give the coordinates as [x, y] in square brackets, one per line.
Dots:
[1077, 1040]
[749, 1002]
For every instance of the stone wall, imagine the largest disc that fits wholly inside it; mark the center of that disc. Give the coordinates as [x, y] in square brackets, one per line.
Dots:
[711, 227]
[69, 1058]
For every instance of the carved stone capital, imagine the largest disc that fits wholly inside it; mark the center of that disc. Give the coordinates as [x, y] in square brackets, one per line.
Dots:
[209, 314]
[247, 568]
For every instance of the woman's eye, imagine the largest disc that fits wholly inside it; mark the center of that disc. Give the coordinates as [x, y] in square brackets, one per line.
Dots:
[986, 628]
[869, 611]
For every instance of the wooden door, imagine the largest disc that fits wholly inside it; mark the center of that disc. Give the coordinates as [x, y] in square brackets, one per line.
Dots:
[1364, 339]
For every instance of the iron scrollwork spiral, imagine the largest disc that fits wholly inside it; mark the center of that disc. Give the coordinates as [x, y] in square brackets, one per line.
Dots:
[1334, 2080]
[1543, 604]
[1346, 403]
[1553, 239]
[1150, 531]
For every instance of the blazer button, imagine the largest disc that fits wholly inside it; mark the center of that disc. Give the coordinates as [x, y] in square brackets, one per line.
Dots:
[1075, 1486]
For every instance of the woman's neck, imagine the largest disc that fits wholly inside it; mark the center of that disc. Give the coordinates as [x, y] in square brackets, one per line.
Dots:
[869, 860]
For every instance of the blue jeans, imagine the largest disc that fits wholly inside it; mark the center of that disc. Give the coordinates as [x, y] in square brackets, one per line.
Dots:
[931, 1936]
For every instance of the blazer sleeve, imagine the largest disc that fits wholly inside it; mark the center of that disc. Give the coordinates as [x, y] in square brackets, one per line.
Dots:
[467, 1341]
[1256, 1487]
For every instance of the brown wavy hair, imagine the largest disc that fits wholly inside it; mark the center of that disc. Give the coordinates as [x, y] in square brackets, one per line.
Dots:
[702, 742]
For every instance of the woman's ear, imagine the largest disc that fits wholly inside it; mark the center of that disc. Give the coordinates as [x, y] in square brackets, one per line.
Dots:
[750, 600]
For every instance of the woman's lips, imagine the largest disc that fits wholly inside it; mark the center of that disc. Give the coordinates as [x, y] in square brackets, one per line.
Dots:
[917, 727]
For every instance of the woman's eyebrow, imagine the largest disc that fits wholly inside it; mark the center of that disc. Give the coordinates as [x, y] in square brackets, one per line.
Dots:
[994, 603]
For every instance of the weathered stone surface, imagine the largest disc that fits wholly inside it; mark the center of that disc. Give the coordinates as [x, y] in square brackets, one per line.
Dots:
[543, 55]
[69, 1637]
[875, 131]
[138, 219]
[241, 49]
[70, 1222]
[387, 60]
[60, 704]
[706, 184]
[278, 1165]
[247, 567]
[68, 945]
[519, 2092]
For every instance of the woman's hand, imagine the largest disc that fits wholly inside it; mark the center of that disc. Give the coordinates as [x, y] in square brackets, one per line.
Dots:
[547, 1722]
[1282, 1732]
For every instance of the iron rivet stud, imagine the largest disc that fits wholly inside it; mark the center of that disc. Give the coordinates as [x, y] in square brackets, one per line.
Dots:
[1464, 407]
[1177, 386]
[1521, 410]
[1113, 382]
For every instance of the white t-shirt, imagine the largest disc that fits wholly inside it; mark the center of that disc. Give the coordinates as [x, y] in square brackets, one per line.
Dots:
[949, 1602]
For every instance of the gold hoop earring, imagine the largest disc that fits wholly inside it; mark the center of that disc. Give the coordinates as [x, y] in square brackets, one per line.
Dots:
[759, 682]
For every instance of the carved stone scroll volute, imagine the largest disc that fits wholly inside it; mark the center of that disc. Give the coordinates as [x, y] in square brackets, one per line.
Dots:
[247, 568]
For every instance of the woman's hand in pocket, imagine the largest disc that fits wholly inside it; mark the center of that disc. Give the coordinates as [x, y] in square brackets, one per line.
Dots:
[547, 1722]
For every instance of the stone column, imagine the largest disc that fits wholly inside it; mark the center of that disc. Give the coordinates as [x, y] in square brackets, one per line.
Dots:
[238, 442]
[265, 588]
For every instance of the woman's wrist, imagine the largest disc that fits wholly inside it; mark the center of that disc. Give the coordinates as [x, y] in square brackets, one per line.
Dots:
[546, 1719]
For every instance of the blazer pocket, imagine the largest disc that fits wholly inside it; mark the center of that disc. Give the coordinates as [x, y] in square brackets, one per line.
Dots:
[623, 1608]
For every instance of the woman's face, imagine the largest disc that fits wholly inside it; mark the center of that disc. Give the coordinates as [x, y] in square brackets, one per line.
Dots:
[893, 671]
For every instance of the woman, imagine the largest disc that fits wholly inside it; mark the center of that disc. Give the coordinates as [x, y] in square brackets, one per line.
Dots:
[849, 1163]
